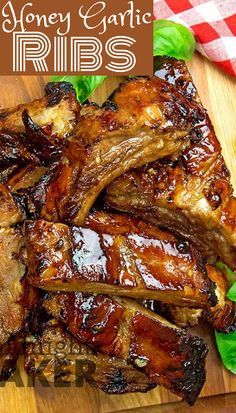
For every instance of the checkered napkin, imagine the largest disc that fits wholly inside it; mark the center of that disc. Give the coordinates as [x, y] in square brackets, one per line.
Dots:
[213, 23]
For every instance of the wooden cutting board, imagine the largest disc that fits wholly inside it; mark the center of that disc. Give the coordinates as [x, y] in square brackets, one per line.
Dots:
[218, 93]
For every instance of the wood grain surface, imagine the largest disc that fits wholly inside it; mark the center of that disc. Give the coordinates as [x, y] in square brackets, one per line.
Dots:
[218, 93]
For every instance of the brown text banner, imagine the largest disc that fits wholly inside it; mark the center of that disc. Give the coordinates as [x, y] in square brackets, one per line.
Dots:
[76, 37]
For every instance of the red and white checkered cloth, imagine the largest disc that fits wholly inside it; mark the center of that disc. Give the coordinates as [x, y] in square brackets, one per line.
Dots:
[213, 23]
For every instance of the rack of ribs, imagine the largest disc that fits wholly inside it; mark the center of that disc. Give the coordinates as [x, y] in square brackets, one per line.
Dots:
[149, 120]
[191, 195]
[56, 355]
[122, 328]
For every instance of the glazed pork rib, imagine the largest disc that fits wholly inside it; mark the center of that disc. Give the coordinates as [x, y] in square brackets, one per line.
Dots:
[119, 255]
[13, 154]
[222, 316]
[26, 146]
[28, 131]
[148, 120]
[122, 328]
[111, 374]
[57, 112]
[191, 196]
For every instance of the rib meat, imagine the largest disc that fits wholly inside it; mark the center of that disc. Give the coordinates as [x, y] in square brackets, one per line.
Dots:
[26, 146]
[147, 120]
[10, 210]
[25, 176]
[117, 254]
[13, 154]
[13, 150]
[111, 374]
[191, 196]
[222, 316]
[57, 111]
[122, 328]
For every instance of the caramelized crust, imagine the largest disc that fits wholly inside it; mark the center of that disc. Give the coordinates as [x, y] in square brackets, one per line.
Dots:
[58, 356]
[147, 120]
[13, 150]
[192, 196]
[25, 177]
[26, 146]
[120, 255]
[57, 111]
[41, 142]
[222, 316]
[122, 328]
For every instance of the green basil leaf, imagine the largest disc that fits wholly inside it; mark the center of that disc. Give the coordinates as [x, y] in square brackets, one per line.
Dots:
[172, 39]
[226, 344]
[231, 275]
[232, 292]
[83, 85]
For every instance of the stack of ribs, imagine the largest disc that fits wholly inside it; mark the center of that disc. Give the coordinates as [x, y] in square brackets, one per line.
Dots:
[112, 220]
